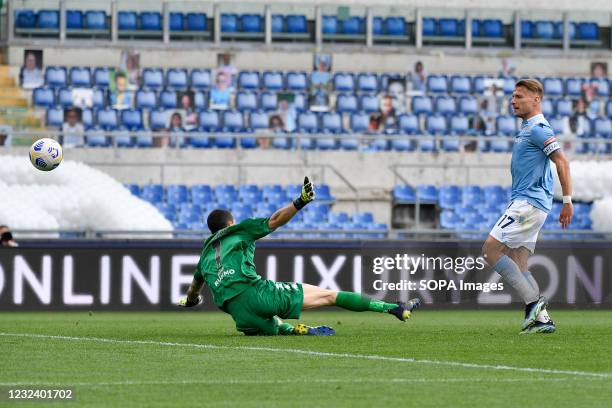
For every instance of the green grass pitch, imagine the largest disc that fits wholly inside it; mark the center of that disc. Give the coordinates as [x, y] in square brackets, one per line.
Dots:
[196, 358]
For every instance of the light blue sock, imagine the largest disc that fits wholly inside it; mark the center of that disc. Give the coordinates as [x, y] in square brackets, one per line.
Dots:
[511, 273]
[531, 281]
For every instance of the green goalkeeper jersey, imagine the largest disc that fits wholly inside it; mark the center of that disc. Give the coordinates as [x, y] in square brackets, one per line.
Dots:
[226, 263]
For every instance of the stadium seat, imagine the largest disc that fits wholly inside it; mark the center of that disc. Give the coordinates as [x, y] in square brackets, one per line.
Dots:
[346, 103]
[196, 22]
[176, 21]
[506, 125]
[558, 124]
[96, 137]
[146, 99]
[248, 80]
[422, 104]
[95, 20]
[459, 125]
[307, 122]
[268, 101]
[273, 80]
[409, 124]
[64, 97]
[564, 107]
[367, 83]
[233, 121]
[548, 109]
[56, 77]
[609, 108]
[460, 84]
[558, 30]
[331, 122]
[603, 87]
[492, 28]
[132, 119]
[448, 27]
[127, 20]
[80, 77]
[107, 119]
[25, 18]
[55, 117]
[573, 86]
[167, 99]
[176, 79]
[278, 23]
[153, 78]
[588, 31]
[602, 127]
[468, 105]
[404, 194]
[449, 220]
[158, 119]
[445, 105]
[509, 83]
[527, 30]
[229, 23]
[251, 23]
[436, 125]
[437, 84]
[429, 27]
[553, 86]
[200, 100]
[87, 118]
[344, 82]
[359, 122]
[296, 23]
[394, 26]
[99, 98]
[258, 120]
[297, 81]
[329, 25]
[209, 121]
[48, 19]
[101, 77]
[150, 21]
[200, 79]
[246, 101]
[427, 193]
[44, 97]
[198, 139]
[544, 29]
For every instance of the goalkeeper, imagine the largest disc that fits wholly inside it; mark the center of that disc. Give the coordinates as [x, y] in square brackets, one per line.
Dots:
[257, 305]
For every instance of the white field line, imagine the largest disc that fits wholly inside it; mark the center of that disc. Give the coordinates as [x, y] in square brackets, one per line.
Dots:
[606, 375]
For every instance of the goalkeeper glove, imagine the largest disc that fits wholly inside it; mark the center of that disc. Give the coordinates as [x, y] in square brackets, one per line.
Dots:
[185, 302]
[307, 195]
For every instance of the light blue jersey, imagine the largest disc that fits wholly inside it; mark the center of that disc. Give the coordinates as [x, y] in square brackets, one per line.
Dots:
[532, 178]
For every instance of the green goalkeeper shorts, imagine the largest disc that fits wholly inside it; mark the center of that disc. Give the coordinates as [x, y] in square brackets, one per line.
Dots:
[255, 308]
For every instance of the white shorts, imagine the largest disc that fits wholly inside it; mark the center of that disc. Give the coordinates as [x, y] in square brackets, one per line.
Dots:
[519, 226]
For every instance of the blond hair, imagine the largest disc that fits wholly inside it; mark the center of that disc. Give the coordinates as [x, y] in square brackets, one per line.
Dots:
[532, 85]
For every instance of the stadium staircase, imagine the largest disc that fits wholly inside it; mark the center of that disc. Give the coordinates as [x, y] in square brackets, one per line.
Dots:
[14, 109]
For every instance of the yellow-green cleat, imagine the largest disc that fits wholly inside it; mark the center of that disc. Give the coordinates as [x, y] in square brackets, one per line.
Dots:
[403, 311]
[303, 330]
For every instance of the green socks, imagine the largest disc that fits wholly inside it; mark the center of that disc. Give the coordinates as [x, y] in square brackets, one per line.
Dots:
[359, 303]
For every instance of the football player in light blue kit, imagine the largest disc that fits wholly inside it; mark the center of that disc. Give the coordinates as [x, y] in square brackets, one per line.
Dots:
[513, 237]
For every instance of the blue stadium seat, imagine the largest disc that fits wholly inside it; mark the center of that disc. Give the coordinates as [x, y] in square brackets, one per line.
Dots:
[506, 125]
[346, 103]
[25, 18]
[445, 105]
[459, 125]
[404, 193]
[248, 80]
[44, 97]
[48, 19]
[278, 23]
[200, 100]
[258, 120]
[363, 217]
[233, 121]
[544, 29]
[353, 25]
[146, 99]
[527, 30]
[603, 86]
[588, 31]
[449, 220]
[99, 98]
[553, 86]
[429, 27]
[331, 122]
[360, 122]
[127, 20]
[367, 83]
[229, 23]
[132, 119]
[564, 107]
[158, 119]
[101, 77]
[167, 99]
[80, 77]
[297, 81]
[422, 104]
[251, 23]
[492, 28]
[196, 139]
[478, 84]
[296, 23]
[87, 118]
[609, 108]
[460, 84]
[152, 78]
[300, 101]
[437, 84]
[369, 103]
[344, 82]
[468, 105]
[64, 97]
[602, 127]
[200, 79]
[436, 125]
[273, 80]
[509, 83]
[95, 20]
[176, 21]
[74, 19]
[107, 119]
[448, 27]
[573, 86]
[96, 137]
[308, 122]
[176, 79]
[55, 117]
[150, 21]
[268, 101]
[427, 193]
[377, 26]
[56, 77]
[409, 124]
[209, 121]
[246, 101]
[548, 109]
[329, 25]
[394, 26]
[196, 22]
[558, 33]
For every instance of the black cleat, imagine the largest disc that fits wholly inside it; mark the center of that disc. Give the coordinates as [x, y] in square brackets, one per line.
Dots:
[403, 311]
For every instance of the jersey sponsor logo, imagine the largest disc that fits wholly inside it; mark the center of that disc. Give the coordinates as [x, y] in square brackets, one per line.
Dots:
[223, 274]
[553, 146]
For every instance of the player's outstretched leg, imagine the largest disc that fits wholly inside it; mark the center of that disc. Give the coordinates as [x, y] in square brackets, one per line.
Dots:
[315, 296]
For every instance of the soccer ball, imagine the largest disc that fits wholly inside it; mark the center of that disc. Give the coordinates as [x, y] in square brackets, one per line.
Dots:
[46, 154]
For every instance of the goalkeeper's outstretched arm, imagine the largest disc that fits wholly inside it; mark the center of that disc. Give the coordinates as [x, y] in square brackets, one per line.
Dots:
[283, 215]
[193, 294]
